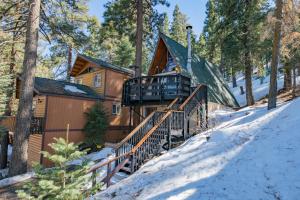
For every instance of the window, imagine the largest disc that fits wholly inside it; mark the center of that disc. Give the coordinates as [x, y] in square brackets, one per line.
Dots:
[97, 80]
[116, 109]
[78, 81]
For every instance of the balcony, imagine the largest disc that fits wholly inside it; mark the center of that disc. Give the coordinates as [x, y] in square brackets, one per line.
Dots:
[154, 90]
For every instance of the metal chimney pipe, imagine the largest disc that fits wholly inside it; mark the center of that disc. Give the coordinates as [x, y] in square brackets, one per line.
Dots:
[189, 56]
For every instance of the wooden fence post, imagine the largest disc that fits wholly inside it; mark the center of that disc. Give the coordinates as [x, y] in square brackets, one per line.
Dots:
[169, 132]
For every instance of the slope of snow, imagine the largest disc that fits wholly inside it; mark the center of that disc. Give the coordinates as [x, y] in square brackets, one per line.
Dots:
[259, 90]
[254, 155]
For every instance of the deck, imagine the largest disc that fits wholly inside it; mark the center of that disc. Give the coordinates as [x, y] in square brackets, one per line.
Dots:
[153, 90]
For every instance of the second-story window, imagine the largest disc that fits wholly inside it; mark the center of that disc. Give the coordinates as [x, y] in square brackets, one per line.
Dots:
[78, 81]
[97, 80]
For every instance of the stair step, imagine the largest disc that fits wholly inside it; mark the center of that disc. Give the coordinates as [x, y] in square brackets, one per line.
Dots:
[126, 169]
[120, 176]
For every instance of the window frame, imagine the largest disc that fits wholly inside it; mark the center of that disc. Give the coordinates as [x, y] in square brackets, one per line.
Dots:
[116, 109]
[97, 78]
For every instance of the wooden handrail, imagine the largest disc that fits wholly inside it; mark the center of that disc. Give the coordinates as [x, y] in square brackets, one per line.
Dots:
[190, 97]
[151, 131]
[99, 165]
[142, 124]
[134, 130]
[172, 103]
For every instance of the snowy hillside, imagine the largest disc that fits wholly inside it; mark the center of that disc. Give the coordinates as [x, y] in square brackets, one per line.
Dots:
[252, 155]
[259, 90]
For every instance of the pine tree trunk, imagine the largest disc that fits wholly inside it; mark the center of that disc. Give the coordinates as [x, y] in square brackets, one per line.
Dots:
[287, 85]
[294, 82]
[275, 56]
[234, 84]
[138, 54]
[4, 148]
[69, 63]
[139, 38]
[20, 146]
[247, 59]
[248, 78]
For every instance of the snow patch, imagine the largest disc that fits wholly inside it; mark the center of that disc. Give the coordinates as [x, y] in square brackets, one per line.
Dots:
[74, 89]
[253, 154]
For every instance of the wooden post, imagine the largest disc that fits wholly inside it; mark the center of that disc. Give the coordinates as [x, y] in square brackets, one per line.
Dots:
[185, 125]
[132, 163]
[108, 174]
[94, 175]
[169, 133]
[67, 134]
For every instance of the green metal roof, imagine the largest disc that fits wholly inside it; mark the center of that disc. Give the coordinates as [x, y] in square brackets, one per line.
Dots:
[204, 73]
[56, 87]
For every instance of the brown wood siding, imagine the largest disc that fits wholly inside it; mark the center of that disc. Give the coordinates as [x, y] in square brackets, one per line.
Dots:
[117, 120]
[64, 110]
[160, 59]
[74, 136]
[114, 84]
[40, 106]
[34, 149]
[9, 123]
[88, 78]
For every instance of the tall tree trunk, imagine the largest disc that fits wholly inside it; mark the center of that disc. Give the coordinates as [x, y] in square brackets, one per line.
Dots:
[69, 63]
[294, 81]
[139, 38]
[234, 84]
[138, 54]
[3, 153]
[20, 146]
[275, 56]
[248, 78]
[287, 84]
[247, 57]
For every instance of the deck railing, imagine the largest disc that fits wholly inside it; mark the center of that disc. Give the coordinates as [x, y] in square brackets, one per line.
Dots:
[36, 126]
[153, 89]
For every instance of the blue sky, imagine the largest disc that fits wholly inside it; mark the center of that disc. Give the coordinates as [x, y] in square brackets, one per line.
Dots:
[194, 9]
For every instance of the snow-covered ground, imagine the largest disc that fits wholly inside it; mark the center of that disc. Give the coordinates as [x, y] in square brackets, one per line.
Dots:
[101, 156]
[259, 90]
[254, 154]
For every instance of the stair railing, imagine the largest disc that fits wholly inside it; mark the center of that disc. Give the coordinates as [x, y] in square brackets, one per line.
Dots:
[198, 99]
[139, 132]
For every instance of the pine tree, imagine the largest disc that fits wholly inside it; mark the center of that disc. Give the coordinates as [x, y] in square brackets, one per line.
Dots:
[96, 125]
[60, 182]
[178, 26]
[19, 154]
[124, 53]
[164, 24]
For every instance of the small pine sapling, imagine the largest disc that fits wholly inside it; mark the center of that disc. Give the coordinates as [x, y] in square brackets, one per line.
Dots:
[63, 181]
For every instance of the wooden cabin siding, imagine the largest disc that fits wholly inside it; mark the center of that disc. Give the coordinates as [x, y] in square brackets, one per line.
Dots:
[9, 123]
[114, 84]
[40, 106]
[116, 120]
[74, 136]
[88, 80]
[116, 134]
[64, 110]
[34, 148]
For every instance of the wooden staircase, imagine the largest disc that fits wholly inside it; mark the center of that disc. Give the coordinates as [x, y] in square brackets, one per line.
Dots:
[155, 132]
